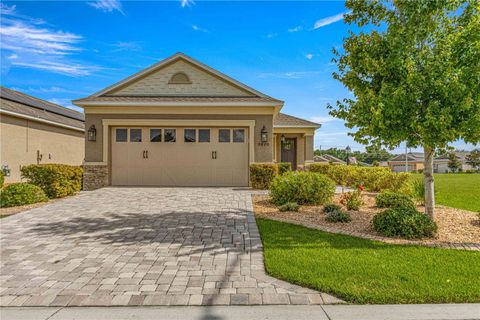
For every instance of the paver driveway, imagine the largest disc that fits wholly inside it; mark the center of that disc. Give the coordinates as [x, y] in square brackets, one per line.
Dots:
[141, 246]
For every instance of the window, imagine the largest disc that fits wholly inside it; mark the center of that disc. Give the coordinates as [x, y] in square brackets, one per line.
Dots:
[170, 135]
[238, 135]
[179, 78]
[121, 135]
[155, 135]
[224, 135]
[135, 135]
[190, 135]
[203, 135]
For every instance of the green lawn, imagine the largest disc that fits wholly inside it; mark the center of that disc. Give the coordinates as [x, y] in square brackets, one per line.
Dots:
[458, 190]
[364, 271]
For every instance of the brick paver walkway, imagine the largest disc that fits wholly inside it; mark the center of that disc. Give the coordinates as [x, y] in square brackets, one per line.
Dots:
[141, 246]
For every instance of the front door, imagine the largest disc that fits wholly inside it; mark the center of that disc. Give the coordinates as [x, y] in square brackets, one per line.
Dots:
[289, 152]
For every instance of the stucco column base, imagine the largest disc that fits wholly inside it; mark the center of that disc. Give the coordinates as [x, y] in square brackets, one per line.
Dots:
[95, 176]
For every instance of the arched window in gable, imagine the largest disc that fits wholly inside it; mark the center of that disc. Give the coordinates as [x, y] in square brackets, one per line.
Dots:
[179, 78]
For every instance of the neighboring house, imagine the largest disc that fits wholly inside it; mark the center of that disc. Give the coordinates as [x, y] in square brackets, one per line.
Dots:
[326, 158]
[440, 164]
[35, 131]
[413, 159]
[182, 123]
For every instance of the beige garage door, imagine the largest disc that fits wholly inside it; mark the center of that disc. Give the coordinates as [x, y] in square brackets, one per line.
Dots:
[180, 156]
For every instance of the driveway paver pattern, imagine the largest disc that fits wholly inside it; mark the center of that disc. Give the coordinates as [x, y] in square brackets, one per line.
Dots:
[141, 246]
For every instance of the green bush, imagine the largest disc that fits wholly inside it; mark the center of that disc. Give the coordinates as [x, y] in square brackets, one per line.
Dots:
[389, 199]
[289, 206]
[338, 216]
[404, 222]
[284, 167]
[302, 188]
[418, 189]
[262, 174]
[19, 194]
[57, 180]
[2, 178]
[373, 178]
[329, 207]
[352, 200]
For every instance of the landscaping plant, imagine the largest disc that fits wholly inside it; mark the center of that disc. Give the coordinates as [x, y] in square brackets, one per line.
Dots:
[289, 206]
[2, 178]
[301, 187]
[338, 216]
[262, 174]
[414, 73]
[284, 167]
[389, 199]
[329, 207]
[404, 222]
[56, 180]
[19, 194]
[352, 200]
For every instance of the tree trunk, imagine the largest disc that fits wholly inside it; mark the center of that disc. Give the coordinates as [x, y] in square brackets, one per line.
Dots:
[428, 179]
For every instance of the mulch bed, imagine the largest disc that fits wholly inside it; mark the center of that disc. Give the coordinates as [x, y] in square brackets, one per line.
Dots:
[4, 212]
[456, 227]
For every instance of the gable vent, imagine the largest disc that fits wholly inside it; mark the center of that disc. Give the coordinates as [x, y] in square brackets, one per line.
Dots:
[179, 78]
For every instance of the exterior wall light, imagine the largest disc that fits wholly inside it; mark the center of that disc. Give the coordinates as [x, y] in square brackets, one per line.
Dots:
[282, 138]
[92, 133]
[264, 135]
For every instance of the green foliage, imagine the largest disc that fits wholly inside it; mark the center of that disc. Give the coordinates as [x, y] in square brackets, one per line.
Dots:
[453, 163]
[289, 206]
[371, 155]
[372, 178]
[262, 174]
[418, 188]
[57, 180]
[338, 216]
[2, 178]
[352, 200]
[329, 207]
[301, 187]
[404, 222]
[393, 200]
[473, 158]
[19, 194]
[284, 167]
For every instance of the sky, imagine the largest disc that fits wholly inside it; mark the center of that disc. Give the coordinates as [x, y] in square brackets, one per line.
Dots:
[64, 50]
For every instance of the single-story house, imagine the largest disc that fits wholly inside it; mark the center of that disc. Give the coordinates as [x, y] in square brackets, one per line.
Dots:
[326, 158]
[182, 123]
[440, 164]
[414, 160]
[34, 131]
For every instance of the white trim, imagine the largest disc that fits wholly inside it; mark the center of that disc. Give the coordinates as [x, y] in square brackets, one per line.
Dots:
[179, 104]
[24, 116]
[108, 123]
[178, 56]
[293, 126]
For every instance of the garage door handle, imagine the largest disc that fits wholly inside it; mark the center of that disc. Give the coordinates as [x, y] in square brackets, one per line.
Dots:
[143, 154]
[214, 154]
[146, 152]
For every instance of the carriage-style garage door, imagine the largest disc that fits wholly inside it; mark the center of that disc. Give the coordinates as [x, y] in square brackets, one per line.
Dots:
[179, 156]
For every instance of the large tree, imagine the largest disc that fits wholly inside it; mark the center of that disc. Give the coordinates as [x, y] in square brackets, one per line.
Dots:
[473, 159]
[414, 70]
[453, 163]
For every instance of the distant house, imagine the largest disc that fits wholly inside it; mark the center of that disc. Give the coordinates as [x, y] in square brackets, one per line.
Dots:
[35, 131]
[326, 158]
[440, 164]
[413, 162]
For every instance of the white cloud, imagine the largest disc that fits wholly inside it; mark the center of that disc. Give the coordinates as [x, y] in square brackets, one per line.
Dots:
[67, 103]
[126, 46]
[289, 75]
[309, 56]
[295, 29]
[197, 28]
[69, 69]
[272, 35]
[107, 5]
[323, 119]
[328, 20]
[186, 3]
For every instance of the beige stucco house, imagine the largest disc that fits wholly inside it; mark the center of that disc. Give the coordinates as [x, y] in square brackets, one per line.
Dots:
[182, 123]
[34, 131]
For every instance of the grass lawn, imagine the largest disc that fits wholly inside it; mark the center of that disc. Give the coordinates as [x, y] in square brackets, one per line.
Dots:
[458, 190]
[364, 271]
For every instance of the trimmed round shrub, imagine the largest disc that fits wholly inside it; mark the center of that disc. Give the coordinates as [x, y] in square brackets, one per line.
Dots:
[262, 174]
[301, 187]
[19, 194]
[404, 222]
[338, 216]
[289, 206]
[389, 199]
[329, 207]
[57, 180]
[284, 167]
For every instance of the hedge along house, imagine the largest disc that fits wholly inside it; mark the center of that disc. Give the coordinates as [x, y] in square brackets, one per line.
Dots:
[182, 123]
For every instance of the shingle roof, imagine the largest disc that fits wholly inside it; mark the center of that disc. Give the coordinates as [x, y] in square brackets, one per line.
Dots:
[411, 156]
[146, 99]
[285, 120]
[21, 103]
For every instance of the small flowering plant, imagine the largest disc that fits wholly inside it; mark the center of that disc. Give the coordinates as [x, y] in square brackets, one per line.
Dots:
[353, 200]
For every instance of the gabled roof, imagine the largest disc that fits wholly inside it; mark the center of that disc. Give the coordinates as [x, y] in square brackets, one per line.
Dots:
[104, 95]
[459, 154]
[411, 156]
[23, 105]
[327, 158]
[283, 120]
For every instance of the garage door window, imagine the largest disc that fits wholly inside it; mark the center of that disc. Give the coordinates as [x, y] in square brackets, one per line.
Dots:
[121, 135]
[203, 135]
[190, 135]
[135, 135]
[170, 135]
[224, 135]
[155, 135]
[239, 135]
